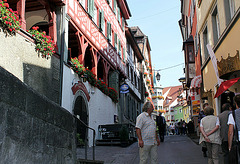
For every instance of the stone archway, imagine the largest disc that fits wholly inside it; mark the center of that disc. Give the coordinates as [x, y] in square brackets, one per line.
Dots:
[80, 109]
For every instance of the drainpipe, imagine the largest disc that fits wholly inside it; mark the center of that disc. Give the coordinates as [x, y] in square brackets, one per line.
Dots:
[62, 34]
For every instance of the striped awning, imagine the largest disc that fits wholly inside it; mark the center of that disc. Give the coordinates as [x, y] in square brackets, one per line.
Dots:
[196, 82]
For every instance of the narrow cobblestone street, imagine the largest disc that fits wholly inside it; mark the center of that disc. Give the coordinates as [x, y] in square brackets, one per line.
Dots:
[175, 150]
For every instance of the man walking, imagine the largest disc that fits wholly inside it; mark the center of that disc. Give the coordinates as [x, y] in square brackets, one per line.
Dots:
[147, 135]
[223, 118]
[234, 122]
[161, 123]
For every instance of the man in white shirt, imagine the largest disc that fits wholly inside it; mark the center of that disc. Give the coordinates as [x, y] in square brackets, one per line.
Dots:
[231, 122]
[147, 135]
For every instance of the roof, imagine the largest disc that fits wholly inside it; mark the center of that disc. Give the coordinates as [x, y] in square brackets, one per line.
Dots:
[172, 95]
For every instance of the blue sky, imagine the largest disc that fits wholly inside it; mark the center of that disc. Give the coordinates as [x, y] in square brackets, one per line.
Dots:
[158, 19]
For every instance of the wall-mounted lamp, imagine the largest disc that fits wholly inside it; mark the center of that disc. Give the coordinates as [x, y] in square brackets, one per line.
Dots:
[91, 91]
[84, 77]
[182, 79]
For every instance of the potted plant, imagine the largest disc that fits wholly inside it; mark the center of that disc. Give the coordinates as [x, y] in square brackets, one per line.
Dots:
[80, 142]
[124, 136]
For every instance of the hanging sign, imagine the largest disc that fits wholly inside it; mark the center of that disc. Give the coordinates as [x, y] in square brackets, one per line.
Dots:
[124, 88]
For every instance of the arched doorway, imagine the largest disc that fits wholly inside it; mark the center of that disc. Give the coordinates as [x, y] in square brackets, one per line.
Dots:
[81, 111]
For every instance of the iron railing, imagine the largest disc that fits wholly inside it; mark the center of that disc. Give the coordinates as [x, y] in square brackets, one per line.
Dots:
[94, 134]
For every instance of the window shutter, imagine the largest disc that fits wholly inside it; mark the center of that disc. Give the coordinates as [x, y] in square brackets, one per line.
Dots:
[123, 23]
[118, 14]
[124, 54]
[114, 6]
[99, 18]
[115, 40]
[119, 48]
[102, 20]
[91, 7]
[109, 30]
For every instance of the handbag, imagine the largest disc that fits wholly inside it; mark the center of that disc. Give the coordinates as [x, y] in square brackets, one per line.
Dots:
[233, 154]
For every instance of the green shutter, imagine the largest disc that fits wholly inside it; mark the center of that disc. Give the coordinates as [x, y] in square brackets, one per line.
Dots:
[99, 16]
[91, 7]
[109, 30]
[102, 21]
[119, 46]
[123, 23]
[124, 54]
[115, 40]
[118, 15]
[114, 6]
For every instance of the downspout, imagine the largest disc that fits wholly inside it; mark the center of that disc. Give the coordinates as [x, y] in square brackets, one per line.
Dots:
[62, 34]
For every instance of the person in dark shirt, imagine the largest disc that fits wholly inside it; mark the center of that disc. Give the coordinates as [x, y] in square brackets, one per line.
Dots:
[161, 123]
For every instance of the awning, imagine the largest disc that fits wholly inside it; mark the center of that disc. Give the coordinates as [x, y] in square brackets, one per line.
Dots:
[196, 82]
[225, 85]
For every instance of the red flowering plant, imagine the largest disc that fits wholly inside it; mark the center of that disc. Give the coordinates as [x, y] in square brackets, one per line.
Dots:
[146, 93]
[148, 81]
[145, 74]
[77, 67]
[102, 86]
[44, 44]
[91, 78]
[113, 94]
[9, 20]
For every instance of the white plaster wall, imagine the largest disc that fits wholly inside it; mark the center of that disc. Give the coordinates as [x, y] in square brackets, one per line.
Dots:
[101, 109]
[15, 51]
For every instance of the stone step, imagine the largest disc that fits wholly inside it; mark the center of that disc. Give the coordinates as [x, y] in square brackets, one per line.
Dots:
[87, 161]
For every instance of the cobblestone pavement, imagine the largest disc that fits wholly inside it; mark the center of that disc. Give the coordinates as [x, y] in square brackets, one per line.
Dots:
[175, 150]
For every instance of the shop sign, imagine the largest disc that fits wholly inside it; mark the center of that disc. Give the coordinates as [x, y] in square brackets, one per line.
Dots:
[124, 88]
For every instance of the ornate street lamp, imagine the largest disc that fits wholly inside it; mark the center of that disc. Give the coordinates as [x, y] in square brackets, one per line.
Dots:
[158, 76]
[182, 79]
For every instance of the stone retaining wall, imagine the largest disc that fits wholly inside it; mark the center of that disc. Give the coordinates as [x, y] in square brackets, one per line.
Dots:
[33, 129]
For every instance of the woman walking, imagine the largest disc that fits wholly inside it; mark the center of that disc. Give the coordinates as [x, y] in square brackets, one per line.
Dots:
[210, 135]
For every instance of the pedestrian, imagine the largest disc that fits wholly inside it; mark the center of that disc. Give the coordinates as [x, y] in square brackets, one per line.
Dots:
[161, 123]
[176, 128]
[234, 125]
[147, 135]
[172, 127]
[181, 127]
[210, 134]
[200, 116]
[190, 126]
[184, 127]
[223, 118]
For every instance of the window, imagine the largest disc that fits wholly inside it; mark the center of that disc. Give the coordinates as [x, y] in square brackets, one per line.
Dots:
[101, 21]
[119, 48]
[205, 42]
[115, 41]
[123, 23]
[118, 15]
[91, 8]
[124, 54]
[110, 3]
[109, 31]
[229, 10]
[215, 24]
[95, 14]
[115, 6]
[232, 8]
